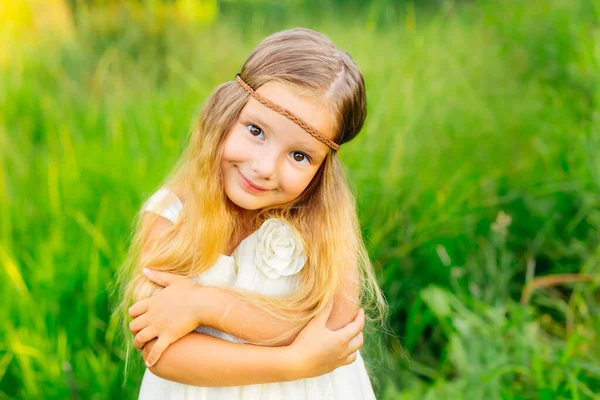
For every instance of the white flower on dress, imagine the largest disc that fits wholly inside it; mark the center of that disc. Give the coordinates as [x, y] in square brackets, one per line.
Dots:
[279, 251]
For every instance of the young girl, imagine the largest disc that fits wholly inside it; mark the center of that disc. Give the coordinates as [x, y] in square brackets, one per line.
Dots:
[258, 213]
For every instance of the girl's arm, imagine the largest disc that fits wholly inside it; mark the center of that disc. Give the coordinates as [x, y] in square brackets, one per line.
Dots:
[184, 305]
[183, 300]
[174, 312]
[202, 360]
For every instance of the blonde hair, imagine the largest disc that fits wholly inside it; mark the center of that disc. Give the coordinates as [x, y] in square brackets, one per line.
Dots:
[324, 215]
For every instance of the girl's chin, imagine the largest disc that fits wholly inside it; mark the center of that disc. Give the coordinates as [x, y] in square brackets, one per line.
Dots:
[245, 201]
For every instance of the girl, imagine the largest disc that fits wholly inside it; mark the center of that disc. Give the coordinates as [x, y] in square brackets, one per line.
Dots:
[261, 182]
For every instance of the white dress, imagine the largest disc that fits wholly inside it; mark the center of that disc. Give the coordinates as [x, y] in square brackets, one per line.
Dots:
[267, 261]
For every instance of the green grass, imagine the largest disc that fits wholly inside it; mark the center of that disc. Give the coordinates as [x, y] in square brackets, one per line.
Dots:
[477, 110]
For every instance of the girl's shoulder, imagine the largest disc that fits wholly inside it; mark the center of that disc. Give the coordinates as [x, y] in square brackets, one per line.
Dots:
[166, 203]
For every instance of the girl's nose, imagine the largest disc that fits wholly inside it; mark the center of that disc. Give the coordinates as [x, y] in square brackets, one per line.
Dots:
[265, 165]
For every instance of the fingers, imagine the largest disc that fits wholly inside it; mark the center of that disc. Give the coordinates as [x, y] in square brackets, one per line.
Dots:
[161, 278]
[350, 359]
[353, 328]
[138, 324]
[352, 350]
[138, 308]
[143, 337]
[356, 343]
[159, 347]
[323, 316]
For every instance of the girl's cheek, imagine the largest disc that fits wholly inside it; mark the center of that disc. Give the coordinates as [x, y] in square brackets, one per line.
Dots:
[235, 145]
[295, 180]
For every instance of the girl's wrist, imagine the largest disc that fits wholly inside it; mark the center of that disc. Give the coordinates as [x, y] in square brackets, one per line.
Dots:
[292, 366]
[210, 306]
[202, 305]
[296, 364]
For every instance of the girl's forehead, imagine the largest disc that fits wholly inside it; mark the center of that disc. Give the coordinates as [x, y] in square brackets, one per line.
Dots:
[307, 108]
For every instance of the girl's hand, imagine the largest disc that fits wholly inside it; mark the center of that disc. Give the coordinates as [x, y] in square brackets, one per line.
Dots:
[318, 350]
[168, 315]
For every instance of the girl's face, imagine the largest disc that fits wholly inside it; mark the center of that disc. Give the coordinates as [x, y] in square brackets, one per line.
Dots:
[267, 159]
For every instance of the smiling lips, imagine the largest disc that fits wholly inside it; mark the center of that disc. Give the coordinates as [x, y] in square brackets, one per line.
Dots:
[248, 185]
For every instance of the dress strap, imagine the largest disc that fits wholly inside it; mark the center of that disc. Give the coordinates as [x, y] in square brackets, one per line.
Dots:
[164, 203]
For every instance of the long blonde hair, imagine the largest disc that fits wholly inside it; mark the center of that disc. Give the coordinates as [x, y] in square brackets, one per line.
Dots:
[324, 215]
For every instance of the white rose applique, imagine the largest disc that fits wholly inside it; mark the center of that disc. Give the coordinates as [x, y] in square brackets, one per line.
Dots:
[279, 251]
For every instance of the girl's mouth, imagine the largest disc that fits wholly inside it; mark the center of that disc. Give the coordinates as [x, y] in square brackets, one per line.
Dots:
[249, 186]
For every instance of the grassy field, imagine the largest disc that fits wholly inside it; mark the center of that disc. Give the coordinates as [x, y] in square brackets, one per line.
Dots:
[477, 177]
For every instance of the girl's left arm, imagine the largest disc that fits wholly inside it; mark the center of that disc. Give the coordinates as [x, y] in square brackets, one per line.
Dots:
[202, 360]
[183, 305]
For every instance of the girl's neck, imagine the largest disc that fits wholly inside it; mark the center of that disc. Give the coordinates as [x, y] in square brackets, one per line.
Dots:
[246, 224]
[245, 218]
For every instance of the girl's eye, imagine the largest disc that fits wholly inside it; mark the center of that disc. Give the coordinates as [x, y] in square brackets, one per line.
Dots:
[300, 157]
[255, 131]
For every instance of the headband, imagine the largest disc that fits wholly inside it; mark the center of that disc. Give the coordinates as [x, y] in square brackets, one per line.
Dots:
[267, 103]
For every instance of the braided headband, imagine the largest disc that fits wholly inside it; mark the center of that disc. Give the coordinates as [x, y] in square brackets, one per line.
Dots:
[267, 103]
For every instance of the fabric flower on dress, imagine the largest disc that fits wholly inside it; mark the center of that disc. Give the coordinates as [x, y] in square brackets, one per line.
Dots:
[279, 251]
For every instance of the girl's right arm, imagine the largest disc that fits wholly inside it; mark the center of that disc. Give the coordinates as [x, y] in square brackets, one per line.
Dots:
[184, 305]
[202, 360]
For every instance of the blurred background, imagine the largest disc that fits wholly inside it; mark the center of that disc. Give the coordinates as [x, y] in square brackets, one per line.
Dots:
[477, 177]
